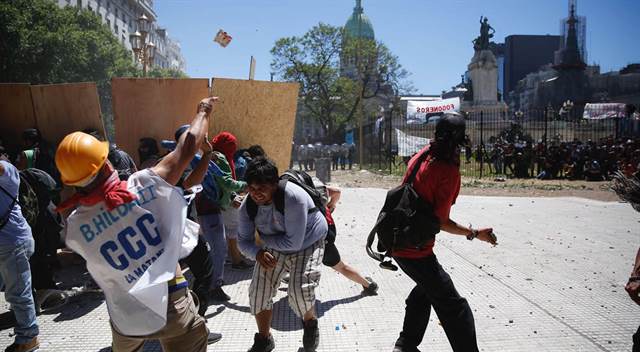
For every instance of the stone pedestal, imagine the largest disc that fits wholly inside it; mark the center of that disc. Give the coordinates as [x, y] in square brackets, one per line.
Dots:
[483, 70]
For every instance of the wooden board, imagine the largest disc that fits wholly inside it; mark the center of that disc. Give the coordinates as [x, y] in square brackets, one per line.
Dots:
[64, 108]
[257, 112]
[16, 113]
[149, 107]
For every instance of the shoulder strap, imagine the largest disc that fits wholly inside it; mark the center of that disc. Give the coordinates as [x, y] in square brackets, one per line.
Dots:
[278, 198]
[384, 264]
[416, 167]
[5, 218]
[252, 208]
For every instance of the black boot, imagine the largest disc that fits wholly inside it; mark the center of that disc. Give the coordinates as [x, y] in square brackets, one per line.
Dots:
[262, 344]
[311, 336]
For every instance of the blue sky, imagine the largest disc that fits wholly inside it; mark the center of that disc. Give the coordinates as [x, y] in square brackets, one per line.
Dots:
[432, 38]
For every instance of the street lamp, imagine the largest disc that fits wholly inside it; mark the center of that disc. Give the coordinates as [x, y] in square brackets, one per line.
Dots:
[141, 44]
[566, 108]
[519, 115]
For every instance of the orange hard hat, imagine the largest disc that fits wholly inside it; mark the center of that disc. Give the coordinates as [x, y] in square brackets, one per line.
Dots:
[80, 157]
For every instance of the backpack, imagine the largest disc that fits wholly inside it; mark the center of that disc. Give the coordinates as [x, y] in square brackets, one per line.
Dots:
[304, 181]
[27, 200]
[48, 224]
[405, 221]
[43, 185]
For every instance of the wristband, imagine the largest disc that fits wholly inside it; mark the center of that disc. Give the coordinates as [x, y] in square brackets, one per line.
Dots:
[634, 278]
[205, 107]
[473, 234]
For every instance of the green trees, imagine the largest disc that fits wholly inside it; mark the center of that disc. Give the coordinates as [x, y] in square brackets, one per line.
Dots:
[338, 74]
[43, 43]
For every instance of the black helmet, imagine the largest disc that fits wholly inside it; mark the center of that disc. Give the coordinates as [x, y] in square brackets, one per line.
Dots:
[182, 129]
[450, 129]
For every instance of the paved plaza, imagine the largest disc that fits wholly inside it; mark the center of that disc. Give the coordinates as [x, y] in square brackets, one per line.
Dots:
[555, 282]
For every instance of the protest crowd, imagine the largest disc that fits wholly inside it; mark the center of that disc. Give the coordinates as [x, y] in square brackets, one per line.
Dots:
[198, 202]
[210, 180]
[591, 160]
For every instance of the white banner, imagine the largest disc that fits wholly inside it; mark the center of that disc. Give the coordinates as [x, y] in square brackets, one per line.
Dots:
[603, 111]
[409, 145]
[419, 111]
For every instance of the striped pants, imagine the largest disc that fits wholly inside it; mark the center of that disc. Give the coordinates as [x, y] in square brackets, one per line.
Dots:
[304, 268]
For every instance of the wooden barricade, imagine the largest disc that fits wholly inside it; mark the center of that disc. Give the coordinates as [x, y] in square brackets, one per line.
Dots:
[149, 107]
[257, 112]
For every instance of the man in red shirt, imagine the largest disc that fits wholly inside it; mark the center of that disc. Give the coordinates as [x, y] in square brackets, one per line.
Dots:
[438, 182]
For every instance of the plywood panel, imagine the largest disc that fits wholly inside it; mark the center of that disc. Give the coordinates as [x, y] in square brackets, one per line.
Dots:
[257, 112]
[16, 112]
[148, 107]
[64, 108]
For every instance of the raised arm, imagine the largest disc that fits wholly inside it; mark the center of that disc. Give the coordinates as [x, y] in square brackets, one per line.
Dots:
[198, 173]
[173, 165]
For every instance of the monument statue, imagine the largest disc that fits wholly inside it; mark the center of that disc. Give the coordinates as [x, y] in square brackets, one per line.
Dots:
[483, 68]
[486, 33]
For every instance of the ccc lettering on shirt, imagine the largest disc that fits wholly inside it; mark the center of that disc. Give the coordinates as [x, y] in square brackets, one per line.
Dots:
[132, 243]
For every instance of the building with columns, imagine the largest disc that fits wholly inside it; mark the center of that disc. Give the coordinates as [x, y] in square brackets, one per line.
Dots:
[121, 15]
[358, 26]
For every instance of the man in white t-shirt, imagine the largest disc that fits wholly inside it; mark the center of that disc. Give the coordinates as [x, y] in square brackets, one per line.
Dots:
[130, 233]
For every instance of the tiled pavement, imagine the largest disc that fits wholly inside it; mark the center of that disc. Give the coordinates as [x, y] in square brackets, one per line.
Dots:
[554, 283]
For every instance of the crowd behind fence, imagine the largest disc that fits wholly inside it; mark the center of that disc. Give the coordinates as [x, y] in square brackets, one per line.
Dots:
[540, 143]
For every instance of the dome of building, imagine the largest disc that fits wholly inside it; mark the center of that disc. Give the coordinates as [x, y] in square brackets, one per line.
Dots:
[359, 25]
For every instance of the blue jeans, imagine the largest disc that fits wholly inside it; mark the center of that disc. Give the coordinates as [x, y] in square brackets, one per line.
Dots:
[213, 231]
[15, 276]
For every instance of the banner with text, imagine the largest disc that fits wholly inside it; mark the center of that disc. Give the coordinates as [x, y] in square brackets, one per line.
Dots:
[408, 144]
[419, 111]
[604, 111]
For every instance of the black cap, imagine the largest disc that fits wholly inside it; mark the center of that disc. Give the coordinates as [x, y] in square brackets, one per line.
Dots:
[182, 129]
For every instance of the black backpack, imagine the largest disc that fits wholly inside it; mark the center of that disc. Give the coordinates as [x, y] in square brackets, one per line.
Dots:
[27, 200]
[405, 221]
[305, 181]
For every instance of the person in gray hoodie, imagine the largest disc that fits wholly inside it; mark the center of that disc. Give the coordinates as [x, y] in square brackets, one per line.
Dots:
[292, 240]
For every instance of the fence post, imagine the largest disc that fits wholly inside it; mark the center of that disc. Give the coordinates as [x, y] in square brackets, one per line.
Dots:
[389, 141]
[481, 151]
[544, 140]
[380, 132]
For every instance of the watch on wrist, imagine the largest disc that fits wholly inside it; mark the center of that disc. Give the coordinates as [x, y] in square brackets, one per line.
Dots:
[473, 234]
[205, 107]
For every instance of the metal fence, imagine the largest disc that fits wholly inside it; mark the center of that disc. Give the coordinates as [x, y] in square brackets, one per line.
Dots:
[497, 141]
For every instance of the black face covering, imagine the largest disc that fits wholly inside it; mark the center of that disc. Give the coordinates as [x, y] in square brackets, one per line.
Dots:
[450, 131]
